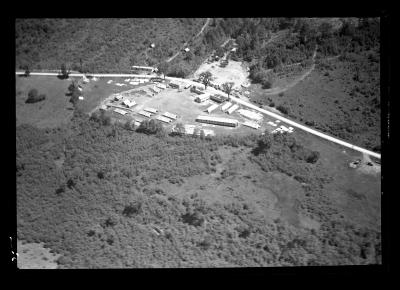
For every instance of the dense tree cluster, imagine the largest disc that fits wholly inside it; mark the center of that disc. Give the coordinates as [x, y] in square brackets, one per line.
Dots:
[99, 45]
[95, 198]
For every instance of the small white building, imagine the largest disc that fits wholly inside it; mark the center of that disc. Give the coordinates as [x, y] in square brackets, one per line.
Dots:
[117, 97]
[170, 115]
[272, 124]
[187, 49]
[212, 108]
[250, 115]
[134, 83]
[151, 110]
[119, 111]
[161, 86]
[80, 98]
[251, 125]
[128, 103]
[143, 113]
[201, 98]
[127, 80]
[155, 89]
[163, 119]
[232, 109]
[226, 106]
[153, 45]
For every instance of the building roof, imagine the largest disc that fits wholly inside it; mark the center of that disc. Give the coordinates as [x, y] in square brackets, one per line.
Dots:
[251, 115]
[151, 110]
[164, 119]
[212, 107]
[233, 108]
[143, 113]
[251, 124]
[226, 106]
[170, 115]
[119, 111]
[217, 119]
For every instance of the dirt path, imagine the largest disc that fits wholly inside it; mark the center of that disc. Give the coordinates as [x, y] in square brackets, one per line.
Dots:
[185, 44]
[278, 90]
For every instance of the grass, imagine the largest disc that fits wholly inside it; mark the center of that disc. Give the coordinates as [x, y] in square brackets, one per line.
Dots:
[53, 111]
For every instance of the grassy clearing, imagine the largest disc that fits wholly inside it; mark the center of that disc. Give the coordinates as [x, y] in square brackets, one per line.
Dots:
[35, 256]
[53, 111]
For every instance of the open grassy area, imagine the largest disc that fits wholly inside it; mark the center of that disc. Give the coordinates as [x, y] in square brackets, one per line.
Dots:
[51, 112]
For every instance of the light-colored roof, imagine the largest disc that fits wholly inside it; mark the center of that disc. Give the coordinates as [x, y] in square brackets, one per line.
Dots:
[217, 119]
[122, 112]
[251, 115]
[226, 106]
[164, 119]
[161, 86]
[170, 115]
[143, 113]
[212, 107]
[151, 110]
[233, 108]
[251, 124]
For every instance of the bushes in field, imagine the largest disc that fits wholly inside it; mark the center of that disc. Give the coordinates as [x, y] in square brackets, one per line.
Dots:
[283, 109]
[34, 97]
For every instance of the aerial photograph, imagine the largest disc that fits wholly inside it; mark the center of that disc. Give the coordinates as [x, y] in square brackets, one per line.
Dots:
[198, 142]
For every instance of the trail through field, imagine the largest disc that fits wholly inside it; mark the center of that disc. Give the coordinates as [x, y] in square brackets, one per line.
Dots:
[185, 44]
[278, 90]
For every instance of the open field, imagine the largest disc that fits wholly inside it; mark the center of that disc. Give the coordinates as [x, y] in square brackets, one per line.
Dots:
[331, 101]
[51, 112]
[233, 72]
[35, 256]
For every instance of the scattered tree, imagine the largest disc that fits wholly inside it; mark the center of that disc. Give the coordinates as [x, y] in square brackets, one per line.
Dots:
[227, 88]
[163, 68]
[205, 78]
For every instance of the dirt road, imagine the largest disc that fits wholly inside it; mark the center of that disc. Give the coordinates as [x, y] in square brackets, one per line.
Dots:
[278, 90]
[185, 44]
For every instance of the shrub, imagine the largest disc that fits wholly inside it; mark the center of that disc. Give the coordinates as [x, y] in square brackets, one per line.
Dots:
[283, 109]
[33, 97]
[313, 157]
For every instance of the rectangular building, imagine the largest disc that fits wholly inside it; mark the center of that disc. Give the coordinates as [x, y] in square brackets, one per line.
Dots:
[201, 98]
[117, 97]
[163, 119]
[233, 109]
[251, 115]
[119, 111]
[161, 86]
[170, 115]
[143, 113]
[128, 103]
[226, 106]
[134, 83]
[196, 90]
[217, 121]
[218, 98]
[251, 125]
[151, 110]
[212, 108]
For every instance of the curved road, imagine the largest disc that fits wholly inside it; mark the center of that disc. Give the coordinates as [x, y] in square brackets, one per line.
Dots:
[239, 101]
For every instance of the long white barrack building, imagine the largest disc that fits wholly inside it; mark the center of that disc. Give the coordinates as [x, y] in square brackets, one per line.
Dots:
[250, 115]
[226, 106]
[217, 121]
[251, 125]
[212, 108]
[151, 110]
[233, 109]
[163, 119]
[143, 113]
[170, 115]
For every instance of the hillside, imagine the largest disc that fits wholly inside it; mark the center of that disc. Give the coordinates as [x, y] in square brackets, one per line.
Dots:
[103, 45]
[162, 201]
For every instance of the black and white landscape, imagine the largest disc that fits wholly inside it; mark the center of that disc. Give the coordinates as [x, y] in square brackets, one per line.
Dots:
[198, 142]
